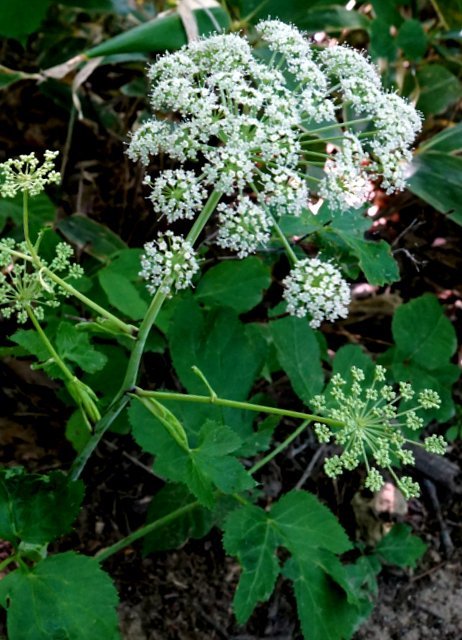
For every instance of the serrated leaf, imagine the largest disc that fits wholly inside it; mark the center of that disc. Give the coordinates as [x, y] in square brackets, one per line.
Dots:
[37, 508]
[299, 355]
[238, 284]
[194, 524]
[301, 524]
[202, 469]
[74, 346]
[323, 609]
[63, 596]
[306, 523]
[400, 547]
[249, 535]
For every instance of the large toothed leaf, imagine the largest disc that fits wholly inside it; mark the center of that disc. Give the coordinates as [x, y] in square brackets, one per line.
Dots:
[37, 508]
[311, 534]
[66, 596]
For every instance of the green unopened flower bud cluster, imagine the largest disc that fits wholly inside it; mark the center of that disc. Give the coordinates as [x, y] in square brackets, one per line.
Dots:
[373, 424]
[25, 285]
[26, 174]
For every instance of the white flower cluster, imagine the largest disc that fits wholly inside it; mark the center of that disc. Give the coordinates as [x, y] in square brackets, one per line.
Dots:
[168, 262]
[250, 125]
[26, 174]
[176, 194]
[370, 426]
[23, 286]
[242, 228]
[318, 289]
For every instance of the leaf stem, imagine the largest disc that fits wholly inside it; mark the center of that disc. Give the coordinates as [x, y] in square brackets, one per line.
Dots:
[103, 555]
[126, 328]
[131, 374]
[50, 348]
[285, 443]
[236, 404]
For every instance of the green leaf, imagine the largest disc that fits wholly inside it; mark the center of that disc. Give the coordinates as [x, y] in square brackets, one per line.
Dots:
[375, 258]
[194, 524]
[422, 332]
[412, 39]
[299, 355]
[94, 238]
[425, 342]
[238, 284]
[248, 534]
[64, 596]
[439, 89]
[203, 468]
[449, 13]
[18, 20]
[323, 609]
[312, 535]
[224, 350]
[306, 523]
[331, 19]
[74, 346]
[448, 140]
[165, 32]
[400, 547]
[436, 177]
[382, 44]
[118, 283]
[37, 508]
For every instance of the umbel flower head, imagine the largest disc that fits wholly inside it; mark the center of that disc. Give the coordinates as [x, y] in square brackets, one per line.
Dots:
[23, 286]
[168, 262]
[317, 289]
[26, 174]
[372, 425]
[275, 129]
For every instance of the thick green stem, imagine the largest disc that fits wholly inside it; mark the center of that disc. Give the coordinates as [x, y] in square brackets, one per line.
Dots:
[285, 443]
[134, 362]
[103, 555]
[236, 404]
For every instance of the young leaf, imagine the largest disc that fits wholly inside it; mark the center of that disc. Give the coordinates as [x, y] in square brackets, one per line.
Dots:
[202, 469]
[400, 547]
[74, 346]
[63, 596]
[299, 355]
[238, 284]
[37, 508]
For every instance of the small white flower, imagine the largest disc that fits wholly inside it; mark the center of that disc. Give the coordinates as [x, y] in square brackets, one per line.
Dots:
[317, 289]
[168, 262]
